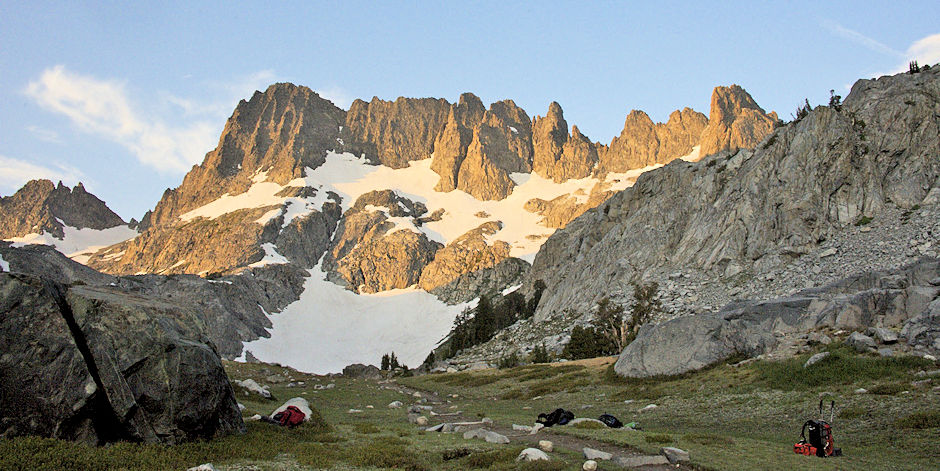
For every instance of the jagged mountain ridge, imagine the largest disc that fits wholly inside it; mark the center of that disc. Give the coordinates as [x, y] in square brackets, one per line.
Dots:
[41, 206]
[748, 213]
[281, 135]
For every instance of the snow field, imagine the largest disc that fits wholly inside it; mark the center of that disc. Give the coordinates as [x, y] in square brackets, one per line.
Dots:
[79, 244]
[329, 327]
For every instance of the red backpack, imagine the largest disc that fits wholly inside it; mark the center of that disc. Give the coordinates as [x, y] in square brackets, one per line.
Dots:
[290, 417]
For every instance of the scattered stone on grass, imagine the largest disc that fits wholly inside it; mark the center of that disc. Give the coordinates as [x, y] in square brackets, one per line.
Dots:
[202, 467]
[592, 454]
[489, 436]
[815, 359]
[674, 455]
[581, 420]
[546, 446]
[648, 408]
[589, 465]
[532, 454]
[860, 342]
[395, 404]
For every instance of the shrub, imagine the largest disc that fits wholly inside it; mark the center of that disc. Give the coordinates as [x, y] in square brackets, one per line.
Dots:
[863, 220]
[920, 420]
[509, 361]
[835, 101]
[586, 342]
[802, 111]
[539, 354]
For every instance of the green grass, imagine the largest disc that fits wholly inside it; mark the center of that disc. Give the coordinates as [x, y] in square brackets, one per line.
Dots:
[920, 420]
[842, 367]
[727, 417]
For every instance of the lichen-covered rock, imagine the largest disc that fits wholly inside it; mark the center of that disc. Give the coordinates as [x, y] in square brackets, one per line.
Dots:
[100, 365]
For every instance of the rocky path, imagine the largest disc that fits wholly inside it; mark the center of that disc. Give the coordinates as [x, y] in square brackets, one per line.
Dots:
[626, 457]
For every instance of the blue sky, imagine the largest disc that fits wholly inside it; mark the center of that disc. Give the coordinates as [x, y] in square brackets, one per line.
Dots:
[127, 96]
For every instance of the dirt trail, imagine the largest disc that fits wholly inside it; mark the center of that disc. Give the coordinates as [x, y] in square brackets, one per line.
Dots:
[559, 441]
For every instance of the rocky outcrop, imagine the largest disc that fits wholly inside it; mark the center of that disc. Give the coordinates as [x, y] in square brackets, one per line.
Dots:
[99, 365]
[40, 206]
[470, 265]
[904, 298]
[377, 246]
[450, 149]
[735, 121]
[477, 150]
[231, 307]
[394, 133]
[559, 211]
[556, 155]
[643, 143]
[280, 133]
[755, 211]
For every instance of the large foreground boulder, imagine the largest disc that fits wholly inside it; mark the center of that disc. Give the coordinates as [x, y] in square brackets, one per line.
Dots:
[100, 365]
[906, 297]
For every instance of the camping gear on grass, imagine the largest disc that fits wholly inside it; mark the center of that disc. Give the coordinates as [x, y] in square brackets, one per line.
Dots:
[610, 421]
[290, 417]
[558, 416]
[820, 441]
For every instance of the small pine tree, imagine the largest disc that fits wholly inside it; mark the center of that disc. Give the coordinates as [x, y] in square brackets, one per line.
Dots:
[385, 362]
[508, 361]
[393, 362]
[586, 342]
[913, 68]
[802, 111]
[610, 322]
[539, 354]
[645, 305]
[835, 101]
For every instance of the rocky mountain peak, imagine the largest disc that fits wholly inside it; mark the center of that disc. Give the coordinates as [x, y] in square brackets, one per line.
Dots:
[395, 133]
[41, 206]
[735, 121]
[278, 132]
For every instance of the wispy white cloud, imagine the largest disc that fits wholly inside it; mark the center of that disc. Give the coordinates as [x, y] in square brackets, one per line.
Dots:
[926, 51]
[44, 134]
[15, 172]
[102, 107]
[169, 134]
[861, 39]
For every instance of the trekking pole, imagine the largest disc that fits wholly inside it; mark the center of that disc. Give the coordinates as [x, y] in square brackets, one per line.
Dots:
[832, 410]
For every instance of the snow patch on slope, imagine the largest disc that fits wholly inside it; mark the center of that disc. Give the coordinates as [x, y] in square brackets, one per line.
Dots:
[350, 177]
[271, 257]
[79, 244]
[330, 327]
[4, 266]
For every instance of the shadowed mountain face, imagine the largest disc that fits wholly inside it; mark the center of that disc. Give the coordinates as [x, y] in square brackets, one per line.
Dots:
[755, 210]
[40, 206]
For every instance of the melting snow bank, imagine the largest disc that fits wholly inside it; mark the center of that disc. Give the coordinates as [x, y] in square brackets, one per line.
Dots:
[4, 266]
[79, 244]
[330, 327]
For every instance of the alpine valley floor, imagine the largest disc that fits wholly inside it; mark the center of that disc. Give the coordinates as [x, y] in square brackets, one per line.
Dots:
[729, 417]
